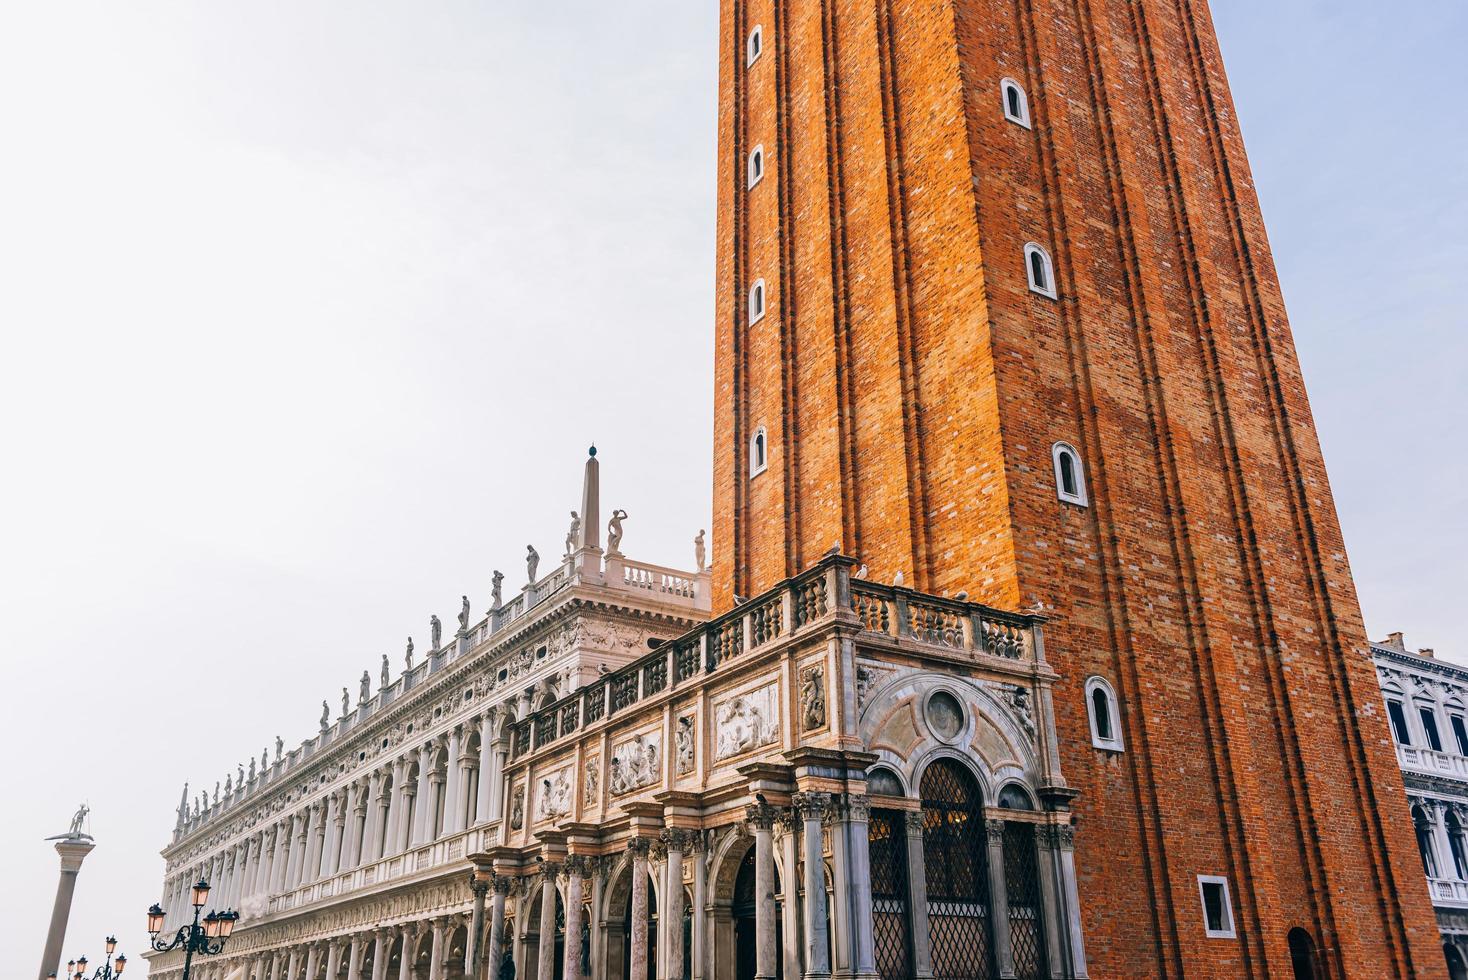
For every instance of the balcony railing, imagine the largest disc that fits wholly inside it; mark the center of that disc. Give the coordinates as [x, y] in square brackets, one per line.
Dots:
[790, 610]
[1426, 760]
[1448, 891]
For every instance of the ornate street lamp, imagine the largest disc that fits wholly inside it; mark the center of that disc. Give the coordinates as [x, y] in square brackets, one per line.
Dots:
[111, 970]
[207, 938]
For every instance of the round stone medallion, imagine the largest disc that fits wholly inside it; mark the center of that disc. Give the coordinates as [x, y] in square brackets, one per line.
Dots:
[945, 716]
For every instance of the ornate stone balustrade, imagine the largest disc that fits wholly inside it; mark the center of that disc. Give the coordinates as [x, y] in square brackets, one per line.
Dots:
[1432, 763]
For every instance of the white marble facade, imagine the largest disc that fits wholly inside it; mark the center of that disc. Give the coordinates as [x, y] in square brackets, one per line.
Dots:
[597, 779]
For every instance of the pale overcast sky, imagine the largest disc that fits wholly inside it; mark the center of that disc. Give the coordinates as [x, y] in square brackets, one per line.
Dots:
[310, 310]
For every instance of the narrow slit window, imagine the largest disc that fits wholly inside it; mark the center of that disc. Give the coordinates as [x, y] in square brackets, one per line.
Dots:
[756, 165]
[757, 301]
[759, 452]
[1070, 478]
[755, 46]
[1104, 717]
[1040, 270]
[1016, 103]
[1218, 916]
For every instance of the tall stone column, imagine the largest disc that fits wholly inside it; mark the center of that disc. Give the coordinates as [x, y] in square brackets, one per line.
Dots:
[576, 869]
[73, 851]
[917, 901]
[422, 830]
[700, 968]
[311, 866]
[546, 959]
[999, 900]
[332, 834]
[333, 959]
[381, 951]
[355, 953]
[453, 818]
[597, 868]
[501, 887]
[761, 818]
[405, 965]
[812, 809]
[395, 806]
[436, 954]
[486, 768]
[279, 868]
[639, 848]
[670, 918]
[856, 823]
[295, 963]
[313, 957]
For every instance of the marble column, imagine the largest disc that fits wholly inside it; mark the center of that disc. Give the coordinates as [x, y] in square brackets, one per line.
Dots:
[999, 900]
[576, 868]
[453, 819]
[295, 963]
[395, 807]
[405, 966]
[372, 828]
[73, 852]
[546, 960]
[700, 970]
[597, 868]
[332, 835]
[313, 957]
[354, 957]
[437, 951]
[486, 769]
[311, 865]
[333, 959]
[497, 780]
[670, 916]
[279, 867]
[639, 848]
[422, 827]
[501, 887]
[857, 861]
[917, 902]
[812, 809]
[381, 951]
[761, 817]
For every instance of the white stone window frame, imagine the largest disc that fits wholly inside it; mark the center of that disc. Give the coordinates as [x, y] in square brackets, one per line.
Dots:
[758, 302]
[1007, 85]
[1230, 931]
[759, 452]
[1081, 498]
[1046, 288]
[754, 45]
[1419, 703]
[755, 168]
[1115, 743]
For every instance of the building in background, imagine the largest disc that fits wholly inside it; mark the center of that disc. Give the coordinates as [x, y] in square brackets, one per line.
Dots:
[1426, 702]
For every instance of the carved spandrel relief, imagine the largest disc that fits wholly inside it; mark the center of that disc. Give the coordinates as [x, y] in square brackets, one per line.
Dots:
[592, 782]
[747, 721]
[553, 796]
[813, 698]
[683, 735]
[636, 763]
[517, 809]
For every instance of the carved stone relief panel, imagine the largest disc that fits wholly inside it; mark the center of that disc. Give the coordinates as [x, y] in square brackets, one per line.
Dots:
[553, 794]
[636, 763]
[813, 697]
[748, 721]
[685, 735]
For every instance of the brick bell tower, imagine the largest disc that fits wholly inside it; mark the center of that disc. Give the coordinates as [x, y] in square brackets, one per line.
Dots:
[996, 312]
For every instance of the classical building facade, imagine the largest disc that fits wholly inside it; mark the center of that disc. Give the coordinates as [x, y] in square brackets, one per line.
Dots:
[1426, 702]
[997, 314]
[836, 778]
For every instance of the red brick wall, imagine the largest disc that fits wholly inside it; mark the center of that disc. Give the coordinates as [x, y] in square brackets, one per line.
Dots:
[912, 387]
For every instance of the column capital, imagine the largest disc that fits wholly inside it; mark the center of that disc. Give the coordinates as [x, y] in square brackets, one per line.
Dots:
[679, 839]
[995, 830]
[639, 846]
[577, 866]
[812, 806]
[477, 885]
[549, 872]
[914, 820]
[502, 884]
[761, 816]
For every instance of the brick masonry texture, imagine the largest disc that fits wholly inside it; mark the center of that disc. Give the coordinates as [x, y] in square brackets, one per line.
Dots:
[913, 386]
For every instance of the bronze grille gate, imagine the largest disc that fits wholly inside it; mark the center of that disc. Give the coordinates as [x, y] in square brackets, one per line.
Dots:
[891, 935]
[1026, 908]
[955, 859]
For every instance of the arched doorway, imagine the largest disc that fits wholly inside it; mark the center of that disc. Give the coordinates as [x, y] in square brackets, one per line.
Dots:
[956, 869]
[887, 854]
[1302, 955]
[457, 946]
[1457, 969]
[742, 909]
[532, 939]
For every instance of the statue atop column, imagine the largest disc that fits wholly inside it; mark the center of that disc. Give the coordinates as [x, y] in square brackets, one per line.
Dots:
[464, 615]
[614, 531]
[699, 554]
[574, 533]
[496, 595]
[76, 822]
[383, 680]
[532, 562]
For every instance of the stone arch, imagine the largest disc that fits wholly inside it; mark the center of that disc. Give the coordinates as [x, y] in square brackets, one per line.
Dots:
[422, 959]
[456, 947]
[528, 933]
[730, 920]
[615, 916]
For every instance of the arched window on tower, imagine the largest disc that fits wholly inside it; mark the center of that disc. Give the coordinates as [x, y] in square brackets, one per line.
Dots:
[759, 452]
[1302, 955]
[1016, 103]
[756, 165]
[1105, 718]
[755, 46]
[757, 301]
[1040, 270]
[1070, 476]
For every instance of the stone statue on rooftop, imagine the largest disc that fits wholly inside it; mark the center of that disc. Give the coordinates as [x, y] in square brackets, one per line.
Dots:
[699, 554]
[240, 779]
[532, 562]
[382, 681]
[574, 533]
[325, 715]
[264, 761]
[252, 768]
[77, 819]
[496, 596]
[228, 786]
[408, 657]
[346, 702]
[279, 747]
[435, 632]
[614, 531]
[464, 615]
[366, 686]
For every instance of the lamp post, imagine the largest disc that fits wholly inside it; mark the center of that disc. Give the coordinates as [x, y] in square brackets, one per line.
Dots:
[206, 937]
[77, 969]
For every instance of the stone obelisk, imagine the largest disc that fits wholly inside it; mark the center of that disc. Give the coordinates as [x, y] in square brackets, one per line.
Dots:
[73, 846]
